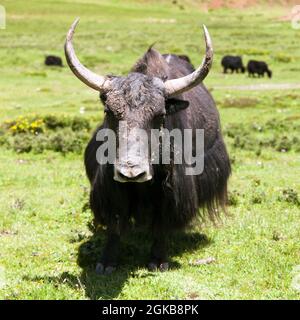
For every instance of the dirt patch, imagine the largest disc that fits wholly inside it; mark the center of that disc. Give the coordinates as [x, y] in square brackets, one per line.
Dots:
[293, 14]
[5, 233]
[243, 102]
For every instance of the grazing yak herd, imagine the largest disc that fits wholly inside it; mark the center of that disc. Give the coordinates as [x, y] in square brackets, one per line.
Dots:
[232, 63]
[235, 64]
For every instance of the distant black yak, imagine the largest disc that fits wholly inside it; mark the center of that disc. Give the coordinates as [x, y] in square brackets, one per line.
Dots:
[160, 92]
[258, 67]
[53, 61]
[233, 63]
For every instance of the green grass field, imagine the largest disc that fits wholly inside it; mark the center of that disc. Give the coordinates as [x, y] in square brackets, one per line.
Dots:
[47, 248]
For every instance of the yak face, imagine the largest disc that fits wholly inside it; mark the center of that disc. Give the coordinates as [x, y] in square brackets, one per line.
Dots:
[134, 105]
[138, 101]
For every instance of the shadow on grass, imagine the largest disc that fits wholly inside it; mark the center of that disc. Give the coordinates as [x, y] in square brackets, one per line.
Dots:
[134, 255]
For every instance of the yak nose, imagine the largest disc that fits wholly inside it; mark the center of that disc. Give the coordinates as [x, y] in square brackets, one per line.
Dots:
[131, 174]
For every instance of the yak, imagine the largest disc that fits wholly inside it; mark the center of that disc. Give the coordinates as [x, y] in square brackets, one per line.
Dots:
[258, 67]
[183, 57]
[53, 61]
[159, 92]
[186, 58]
[234, 63]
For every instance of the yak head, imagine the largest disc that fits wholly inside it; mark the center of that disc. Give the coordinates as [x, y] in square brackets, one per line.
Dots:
[269, 72]
[135, 104]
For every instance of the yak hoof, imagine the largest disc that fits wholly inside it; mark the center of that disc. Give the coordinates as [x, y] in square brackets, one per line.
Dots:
[101, 269]
[152, 266]
[109, 270]
[163, 267]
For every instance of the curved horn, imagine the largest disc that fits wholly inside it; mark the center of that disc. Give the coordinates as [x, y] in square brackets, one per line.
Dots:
[90, 78]
[176, 86]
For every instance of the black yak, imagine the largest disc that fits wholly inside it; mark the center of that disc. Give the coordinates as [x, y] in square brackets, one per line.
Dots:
[53, 61]
[159, 92]
[233, 63]
[258, 67]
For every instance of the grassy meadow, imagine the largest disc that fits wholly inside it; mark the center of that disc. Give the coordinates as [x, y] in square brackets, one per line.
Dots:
[48, 248]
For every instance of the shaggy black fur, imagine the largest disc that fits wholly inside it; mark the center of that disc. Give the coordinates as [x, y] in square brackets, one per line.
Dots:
[258, 68]
[233, 63]
[53, 61]
[171, 199]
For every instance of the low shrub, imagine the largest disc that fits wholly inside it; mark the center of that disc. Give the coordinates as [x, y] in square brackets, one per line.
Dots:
[51, 132]
[289, 195]
[233, 198]
[63, 141]
[282, 57]
[258, 196]
[25, 125]
[271, 134]
[54, 122]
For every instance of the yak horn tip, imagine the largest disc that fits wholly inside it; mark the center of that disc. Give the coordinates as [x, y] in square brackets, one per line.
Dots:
[207, 39]
[90, 78]
[180, 85]
[76, 20]
[72, 29]
[206, 33]
[204, 28]
[75, 23]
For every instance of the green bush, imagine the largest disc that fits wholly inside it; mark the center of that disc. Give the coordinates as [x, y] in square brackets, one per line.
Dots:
[53, 122]
[271, 134]
[79, 124]
[67, 141]
[258, 196]
[25, 125]
[51, 132]
[289, 195]
[233, 198]
[64, 141]
[23, 143]
[282, 57]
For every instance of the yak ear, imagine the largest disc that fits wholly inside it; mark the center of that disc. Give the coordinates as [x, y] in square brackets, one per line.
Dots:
[175, 105]
[140, 67]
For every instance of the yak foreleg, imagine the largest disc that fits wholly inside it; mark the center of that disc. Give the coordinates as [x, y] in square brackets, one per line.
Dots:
[158, 255]
[110, 254]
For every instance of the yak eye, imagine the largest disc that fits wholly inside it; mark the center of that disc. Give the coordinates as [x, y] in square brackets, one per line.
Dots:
[161, 116]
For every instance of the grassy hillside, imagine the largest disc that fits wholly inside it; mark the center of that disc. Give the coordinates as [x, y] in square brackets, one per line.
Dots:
[48, 249]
